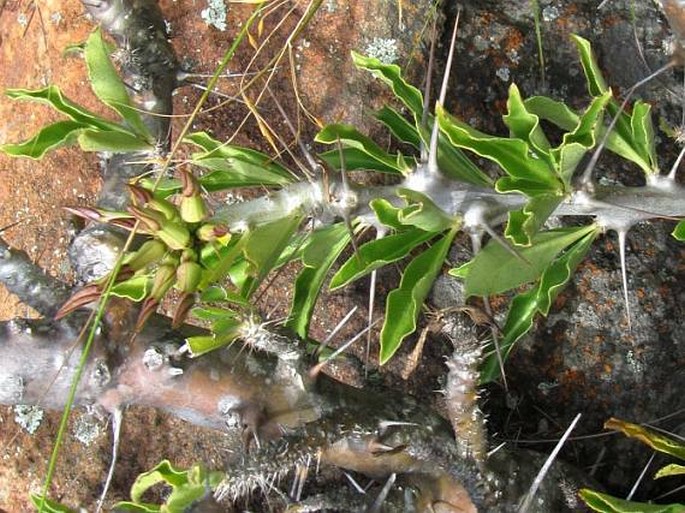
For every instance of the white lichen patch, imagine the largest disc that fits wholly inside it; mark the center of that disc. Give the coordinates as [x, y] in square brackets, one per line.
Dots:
[215, 14]
[86, 429]
[28, 417]
[383, 49]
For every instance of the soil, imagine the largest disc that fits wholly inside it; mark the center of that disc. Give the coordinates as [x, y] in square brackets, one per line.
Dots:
[34, 36]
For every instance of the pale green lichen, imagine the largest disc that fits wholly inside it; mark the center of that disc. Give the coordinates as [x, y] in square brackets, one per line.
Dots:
[215, 14]
[383, 49]
[28, 417]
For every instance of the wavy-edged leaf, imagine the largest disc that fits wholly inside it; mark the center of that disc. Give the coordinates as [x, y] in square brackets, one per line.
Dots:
[552, 110]
[669, 470]
[643, 134]
[422, 213]
[538, 299]
[495, 269]
[203, 344]
[115, 142]
[403, 304]
[50, 137]
[657, 441]
[582, 138]
[108, 86]
[350, 136]
[524, 224]
[356, 159]
[679, 231]
[525, 125]
[136, 288]
[53, 96]
[527, 172]
[399, 126]
[235, 166]
[187, 487]
[378, 253]
[264, 244]
[391, 74]
[49, 506]
[605, 503]
[596, 84]
[322, 250]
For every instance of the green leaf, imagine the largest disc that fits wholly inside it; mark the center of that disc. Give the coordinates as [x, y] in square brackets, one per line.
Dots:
[672, 469]
[495, 269]
[322, 250]
[527, 172]
[422, 213]
[643, 134]
[596, 84]
[524, 224]
[553, 111]
[526, 125]
[262, 248]
[135, 289]
[654, 439]
[350, 136]
[378, 253]
[399, 126]
[187, 486]
[607, 504]
[116, 142]
[404, 303]
[108, 86]
[391, 74]
[52, 96]
[679, 230]
[49, 506]
[52, 136]
[202, 344]
[234, 166]
[355, 159]
[582, 138]
[527, 305]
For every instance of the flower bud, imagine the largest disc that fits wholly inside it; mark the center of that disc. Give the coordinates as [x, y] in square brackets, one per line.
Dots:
[150, 219]
[174, 235]
[164, 279]
[149, 253]
[193, 209]
[167, 208]
[182, 309]
[210, 232]
[188, 276]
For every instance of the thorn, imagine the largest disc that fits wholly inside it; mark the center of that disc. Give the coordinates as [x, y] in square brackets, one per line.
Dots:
[640, 477]
[314, 372]
[504, 243]
[376, 506]
[427, 88]
[545, 468]
[380, 233]
[354, 483]
[433, 149]
[346, 194]
[622, 253]
[586, 177]
[495, 342]
[117, 418]
[676, 165]
[335, 330]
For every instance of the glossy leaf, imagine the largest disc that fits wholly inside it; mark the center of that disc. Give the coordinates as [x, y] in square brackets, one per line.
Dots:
[49, 506]
[52, 96]
[525, 125]
[538, 299]
[187, 487]
[321, 252]
[524, 224]
[672, 469]
[262, 248]
[115, 142]
[107, 85]
[234, 166]
[404, 304]
[350, 136]
[527, 173]
[654, 439]
[643, 134]
[607, 504]
[356, 159]
[402, 129]
[494, 269]
[50, 137]
[378, 253]
[202, 344]
[422, 213]
[135, 289]
[679, 231]
[391, 74]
